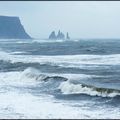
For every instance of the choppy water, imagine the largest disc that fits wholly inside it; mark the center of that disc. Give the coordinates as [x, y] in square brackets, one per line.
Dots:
[60, 79]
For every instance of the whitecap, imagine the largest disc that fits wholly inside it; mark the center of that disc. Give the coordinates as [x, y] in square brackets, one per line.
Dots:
[70, 88]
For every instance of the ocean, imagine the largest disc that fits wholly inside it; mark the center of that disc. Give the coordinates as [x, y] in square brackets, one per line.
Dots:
[60, 79]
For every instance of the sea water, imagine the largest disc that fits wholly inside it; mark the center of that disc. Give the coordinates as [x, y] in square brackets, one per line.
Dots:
[60, 78]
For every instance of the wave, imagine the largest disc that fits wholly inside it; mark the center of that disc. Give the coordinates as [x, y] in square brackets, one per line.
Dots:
[34, 80]
[32, 76]
[54, 41]
[18, 52]
[29, 75]
[48, 41]
[70, 88]
[69, 83]
[35, 74]
[64, 60]
[66, 83]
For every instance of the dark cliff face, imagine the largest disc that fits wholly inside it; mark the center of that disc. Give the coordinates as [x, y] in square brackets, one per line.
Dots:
[11, 28]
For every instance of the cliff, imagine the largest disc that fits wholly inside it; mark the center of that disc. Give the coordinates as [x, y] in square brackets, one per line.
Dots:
[11, 28]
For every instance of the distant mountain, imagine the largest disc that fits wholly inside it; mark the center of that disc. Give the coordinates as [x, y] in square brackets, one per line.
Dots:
[11, 28]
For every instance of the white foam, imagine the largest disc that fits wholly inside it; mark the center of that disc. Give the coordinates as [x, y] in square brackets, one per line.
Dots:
[26, 77]
[32, 76]
[63, 60]
[17, 52]
[69, 88]
[21, 42]
[47, 41]
[54, 41]
[15, 105]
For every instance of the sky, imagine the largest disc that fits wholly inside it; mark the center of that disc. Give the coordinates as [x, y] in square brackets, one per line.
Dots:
[82, 19]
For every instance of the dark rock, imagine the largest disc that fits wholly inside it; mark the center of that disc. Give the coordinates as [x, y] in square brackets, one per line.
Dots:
[60, 35]
[67, 36]
[52, 35]
[11, 28]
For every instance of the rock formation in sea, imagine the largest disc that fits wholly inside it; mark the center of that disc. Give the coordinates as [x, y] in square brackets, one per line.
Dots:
[52, 35]
[60, 35]
[67, 36]
[11, 28]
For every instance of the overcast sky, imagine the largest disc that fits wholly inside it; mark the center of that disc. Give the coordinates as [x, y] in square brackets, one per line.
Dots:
[82, 19]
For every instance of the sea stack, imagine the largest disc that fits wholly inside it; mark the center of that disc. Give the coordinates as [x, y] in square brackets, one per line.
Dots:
[11, 28]
[52, 35]
[60, 35]
[67, 36]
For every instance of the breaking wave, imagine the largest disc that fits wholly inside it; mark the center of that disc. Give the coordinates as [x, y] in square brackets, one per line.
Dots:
[29, 76]
[70, 88]
[77, 61]
[66, 83]
[69, 83]
[35, 74]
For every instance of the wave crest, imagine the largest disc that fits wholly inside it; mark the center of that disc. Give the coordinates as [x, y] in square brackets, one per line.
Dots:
[35, 74]
[70, 88]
